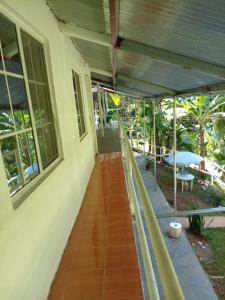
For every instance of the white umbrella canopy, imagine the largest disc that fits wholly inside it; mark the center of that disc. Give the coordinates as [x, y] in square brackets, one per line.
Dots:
[184, 158]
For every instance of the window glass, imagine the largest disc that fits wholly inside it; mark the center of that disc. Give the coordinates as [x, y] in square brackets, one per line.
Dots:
[9, 46]
[27, 56]
[45, 110]
[6, 119]
[40, 97]
[79, 103]
[42, 147]
[11, 159]
[19, 102]
[28, 155]
[16, 136]
[25, 126]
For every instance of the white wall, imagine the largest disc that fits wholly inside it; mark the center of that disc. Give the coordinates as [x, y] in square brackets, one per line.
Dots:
[33, 237]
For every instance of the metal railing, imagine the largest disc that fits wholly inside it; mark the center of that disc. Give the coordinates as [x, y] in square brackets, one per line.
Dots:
[137, 190]
[163, 151]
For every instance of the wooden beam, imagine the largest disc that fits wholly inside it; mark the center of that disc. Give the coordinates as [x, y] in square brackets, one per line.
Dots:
[101, 72]
[204, 90]
[121, 89]
[143, 49]
[86, 35]
[148, 85]
[173, 58]
[120, 92]
[129, 90]
[113, 9]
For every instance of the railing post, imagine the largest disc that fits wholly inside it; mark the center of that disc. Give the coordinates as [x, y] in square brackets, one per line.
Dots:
[144, 131]
[170, 283]
[160, 150]
[154, 142]
[174, 160]
[212, 174]
[100, 110]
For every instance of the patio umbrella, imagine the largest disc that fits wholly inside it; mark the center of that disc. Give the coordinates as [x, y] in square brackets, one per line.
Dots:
[184, 158]
[31, 169]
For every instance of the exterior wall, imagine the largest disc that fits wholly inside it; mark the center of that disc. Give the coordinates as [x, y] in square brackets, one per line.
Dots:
[33, 237]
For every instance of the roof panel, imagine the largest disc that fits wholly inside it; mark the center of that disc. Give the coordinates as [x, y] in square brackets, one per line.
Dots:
[161, 73]
[193, 28]
[97, 56]
[84, 13]
[102, 78]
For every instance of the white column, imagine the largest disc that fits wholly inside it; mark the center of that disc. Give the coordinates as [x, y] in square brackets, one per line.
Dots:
[100, 111]
[154, 143]
[144, 129]
[174, 160]
[104, 106]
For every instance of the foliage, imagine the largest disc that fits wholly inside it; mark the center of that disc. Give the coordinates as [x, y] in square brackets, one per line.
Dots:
[201, 110]
[196, 222]
[18, 153]
[216, 237]
[215, 264]
[217, 195]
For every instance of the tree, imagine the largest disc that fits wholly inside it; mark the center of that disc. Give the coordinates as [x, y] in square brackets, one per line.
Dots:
[201, 109]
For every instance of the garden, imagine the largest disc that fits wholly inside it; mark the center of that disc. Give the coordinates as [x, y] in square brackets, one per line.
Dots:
[200, 129]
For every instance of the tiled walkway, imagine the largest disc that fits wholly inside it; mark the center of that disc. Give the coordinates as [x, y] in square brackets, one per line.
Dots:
[100, 260]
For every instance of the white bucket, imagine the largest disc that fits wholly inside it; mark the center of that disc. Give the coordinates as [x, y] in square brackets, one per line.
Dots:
[175, 230]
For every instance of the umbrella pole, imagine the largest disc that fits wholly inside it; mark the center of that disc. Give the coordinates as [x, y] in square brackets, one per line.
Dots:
[154, 142]
[174, 160]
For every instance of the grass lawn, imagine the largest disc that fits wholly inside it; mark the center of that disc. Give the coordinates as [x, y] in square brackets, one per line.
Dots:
[215, 265]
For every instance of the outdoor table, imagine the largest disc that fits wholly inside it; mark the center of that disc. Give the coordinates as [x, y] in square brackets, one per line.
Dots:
[184, 176]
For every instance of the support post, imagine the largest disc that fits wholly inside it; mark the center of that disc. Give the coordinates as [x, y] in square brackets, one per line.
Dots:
[175, 228]
[212, 174]
[104, 106]
[144, 130]
[174, 160]
[100, 111]
[154, 143]
[131, 125]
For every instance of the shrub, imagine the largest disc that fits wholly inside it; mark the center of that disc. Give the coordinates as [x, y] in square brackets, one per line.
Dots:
[196, 222]
[217, 196]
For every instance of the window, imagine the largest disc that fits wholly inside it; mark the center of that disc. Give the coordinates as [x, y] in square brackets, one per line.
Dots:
[40, 98]
[26, 127]
[79, 104]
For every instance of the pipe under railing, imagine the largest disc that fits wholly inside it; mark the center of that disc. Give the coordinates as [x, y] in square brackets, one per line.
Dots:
[136, 190]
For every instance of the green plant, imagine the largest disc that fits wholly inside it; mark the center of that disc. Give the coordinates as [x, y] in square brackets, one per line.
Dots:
[217, 196]
[196, 222]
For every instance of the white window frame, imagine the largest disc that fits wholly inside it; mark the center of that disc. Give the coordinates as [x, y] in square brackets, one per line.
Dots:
[18, 198]
[84, 134]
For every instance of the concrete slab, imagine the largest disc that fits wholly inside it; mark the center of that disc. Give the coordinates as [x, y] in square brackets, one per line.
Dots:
[194, 281]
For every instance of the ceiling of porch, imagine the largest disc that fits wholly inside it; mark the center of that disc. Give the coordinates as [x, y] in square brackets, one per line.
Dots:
[149, 47]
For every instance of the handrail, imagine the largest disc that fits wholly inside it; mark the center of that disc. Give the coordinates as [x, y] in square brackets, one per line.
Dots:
[149, 271]
[169, 280]
[212, 163]
[186, 213]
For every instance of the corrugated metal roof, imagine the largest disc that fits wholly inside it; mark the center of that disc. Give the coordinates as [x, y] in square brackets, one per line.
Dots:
[84, 13]
[97, 56]
[172, 76]
[103, 78]
[194, 28]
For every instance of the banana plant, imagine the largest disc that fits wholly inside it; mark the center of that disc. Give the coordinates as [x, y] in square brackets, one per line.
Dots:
[201, 110]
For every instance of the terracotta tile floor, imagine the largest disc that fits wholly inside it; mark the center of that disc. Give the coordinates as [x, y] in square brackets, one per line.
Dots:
[100, 260]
